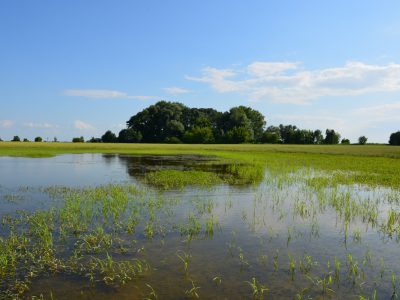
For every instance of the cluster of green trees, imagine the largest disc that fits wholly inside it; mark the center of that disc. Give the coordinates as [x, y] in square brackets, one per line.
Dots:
[16, 138]
[290, 134]
[173, 122]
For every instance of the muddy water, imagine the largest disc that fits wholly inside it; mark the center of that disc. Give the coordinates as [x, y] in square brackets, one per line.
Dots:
[258, 230]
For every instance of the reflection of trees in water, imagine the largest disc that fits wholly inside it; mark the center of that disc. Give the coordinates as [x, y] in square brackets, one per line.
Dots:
[138, 165]
[109, 158]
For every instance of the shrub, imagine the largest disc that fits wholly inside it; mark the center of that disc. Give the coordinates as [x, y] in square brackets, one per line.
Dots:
[78, 139]
[345, 142]
[172, 140]
[38, 139]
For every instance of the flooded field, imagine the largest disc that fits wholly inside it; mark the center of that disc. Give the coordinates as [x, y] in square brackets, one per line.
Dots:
[104, 226]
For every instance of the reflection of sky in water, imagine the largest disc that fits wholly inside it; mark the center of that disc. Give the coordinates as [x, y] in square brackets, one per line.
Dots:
[88, 169]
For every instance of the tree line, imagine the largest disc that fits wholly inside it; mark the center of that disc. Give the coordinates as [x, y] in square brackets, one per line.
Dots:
[173, 122]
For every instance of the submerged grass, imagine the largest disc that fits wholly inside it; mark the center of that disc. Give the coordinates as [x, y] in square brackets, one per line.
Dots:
[100, 234]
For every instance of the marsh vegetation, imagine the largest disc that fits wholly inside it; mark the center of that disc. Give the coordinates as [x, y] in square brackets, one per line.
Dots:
[236, 225]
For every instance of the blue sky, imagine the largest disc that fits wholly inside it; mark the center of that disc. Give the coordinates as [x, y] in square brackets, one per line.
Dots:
[72, 68]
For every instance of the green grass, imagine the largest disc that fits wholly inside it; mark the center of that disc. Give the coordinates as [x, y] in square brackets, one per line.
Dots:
[176, 179]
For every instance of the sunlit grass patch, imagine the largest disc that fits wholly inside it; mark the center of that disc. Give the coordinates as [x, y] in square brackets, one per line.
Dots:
[176, 179]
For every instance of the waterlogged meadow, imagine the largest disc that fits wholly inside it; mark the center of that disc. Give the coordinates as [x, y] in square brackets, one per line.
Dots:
[220, 226]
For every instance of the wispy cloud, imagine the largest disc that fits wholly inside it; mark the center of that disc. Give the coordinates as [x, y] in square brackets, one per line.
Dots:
[78, 124]
[388, 112]
[104, 94]
[287, 82]
[176, 90]
[39, 125]
[6, 123]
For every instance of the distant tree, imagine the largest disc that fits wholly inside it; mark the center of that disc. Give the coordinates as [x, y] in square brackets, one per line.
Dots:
[129, 135]
[78, 140]
[55, 140]
[199, 135]
[109, 137]
[257, 121]
[318, 137]
[25, 140]
[271, 135]
[160, 121]
[16, 139]
[94, 140]
[345, 142]
[287, 133]
[172, 140]
[331, 137]
[38, 139]
[362, 140]
[395, 139]
[239, 135]
[1, 140]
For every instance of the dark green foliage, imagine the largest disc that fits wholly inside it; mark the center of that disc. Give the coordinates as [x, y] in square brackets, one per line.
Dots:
[129, 136]
[318, 137]
[165, 121]
[395, 139]
[345, 142]
[159, 121]
[331, 137]
[25, 140]
[271, 135]
[172, 140]
[290, 134]
[199, 135]
[78, 140]
[38, 139]
[287, 133]
[362, 140]
[94, 140]
[16, 139]
[108, 137]
[173, 122]
[239, 135]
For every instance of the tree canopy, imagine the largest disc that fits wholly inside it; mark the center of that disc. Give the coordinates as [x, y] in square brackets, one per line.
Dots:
[174, 122]
[395, 139]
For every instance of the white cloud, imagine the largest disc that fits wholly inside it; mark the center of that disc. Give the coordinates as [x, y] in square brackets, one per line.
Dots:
[176, 90]
[260, 68]
[285, 82]
[82, 125]
[6, 123]
[39, 125]
[104, 94]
